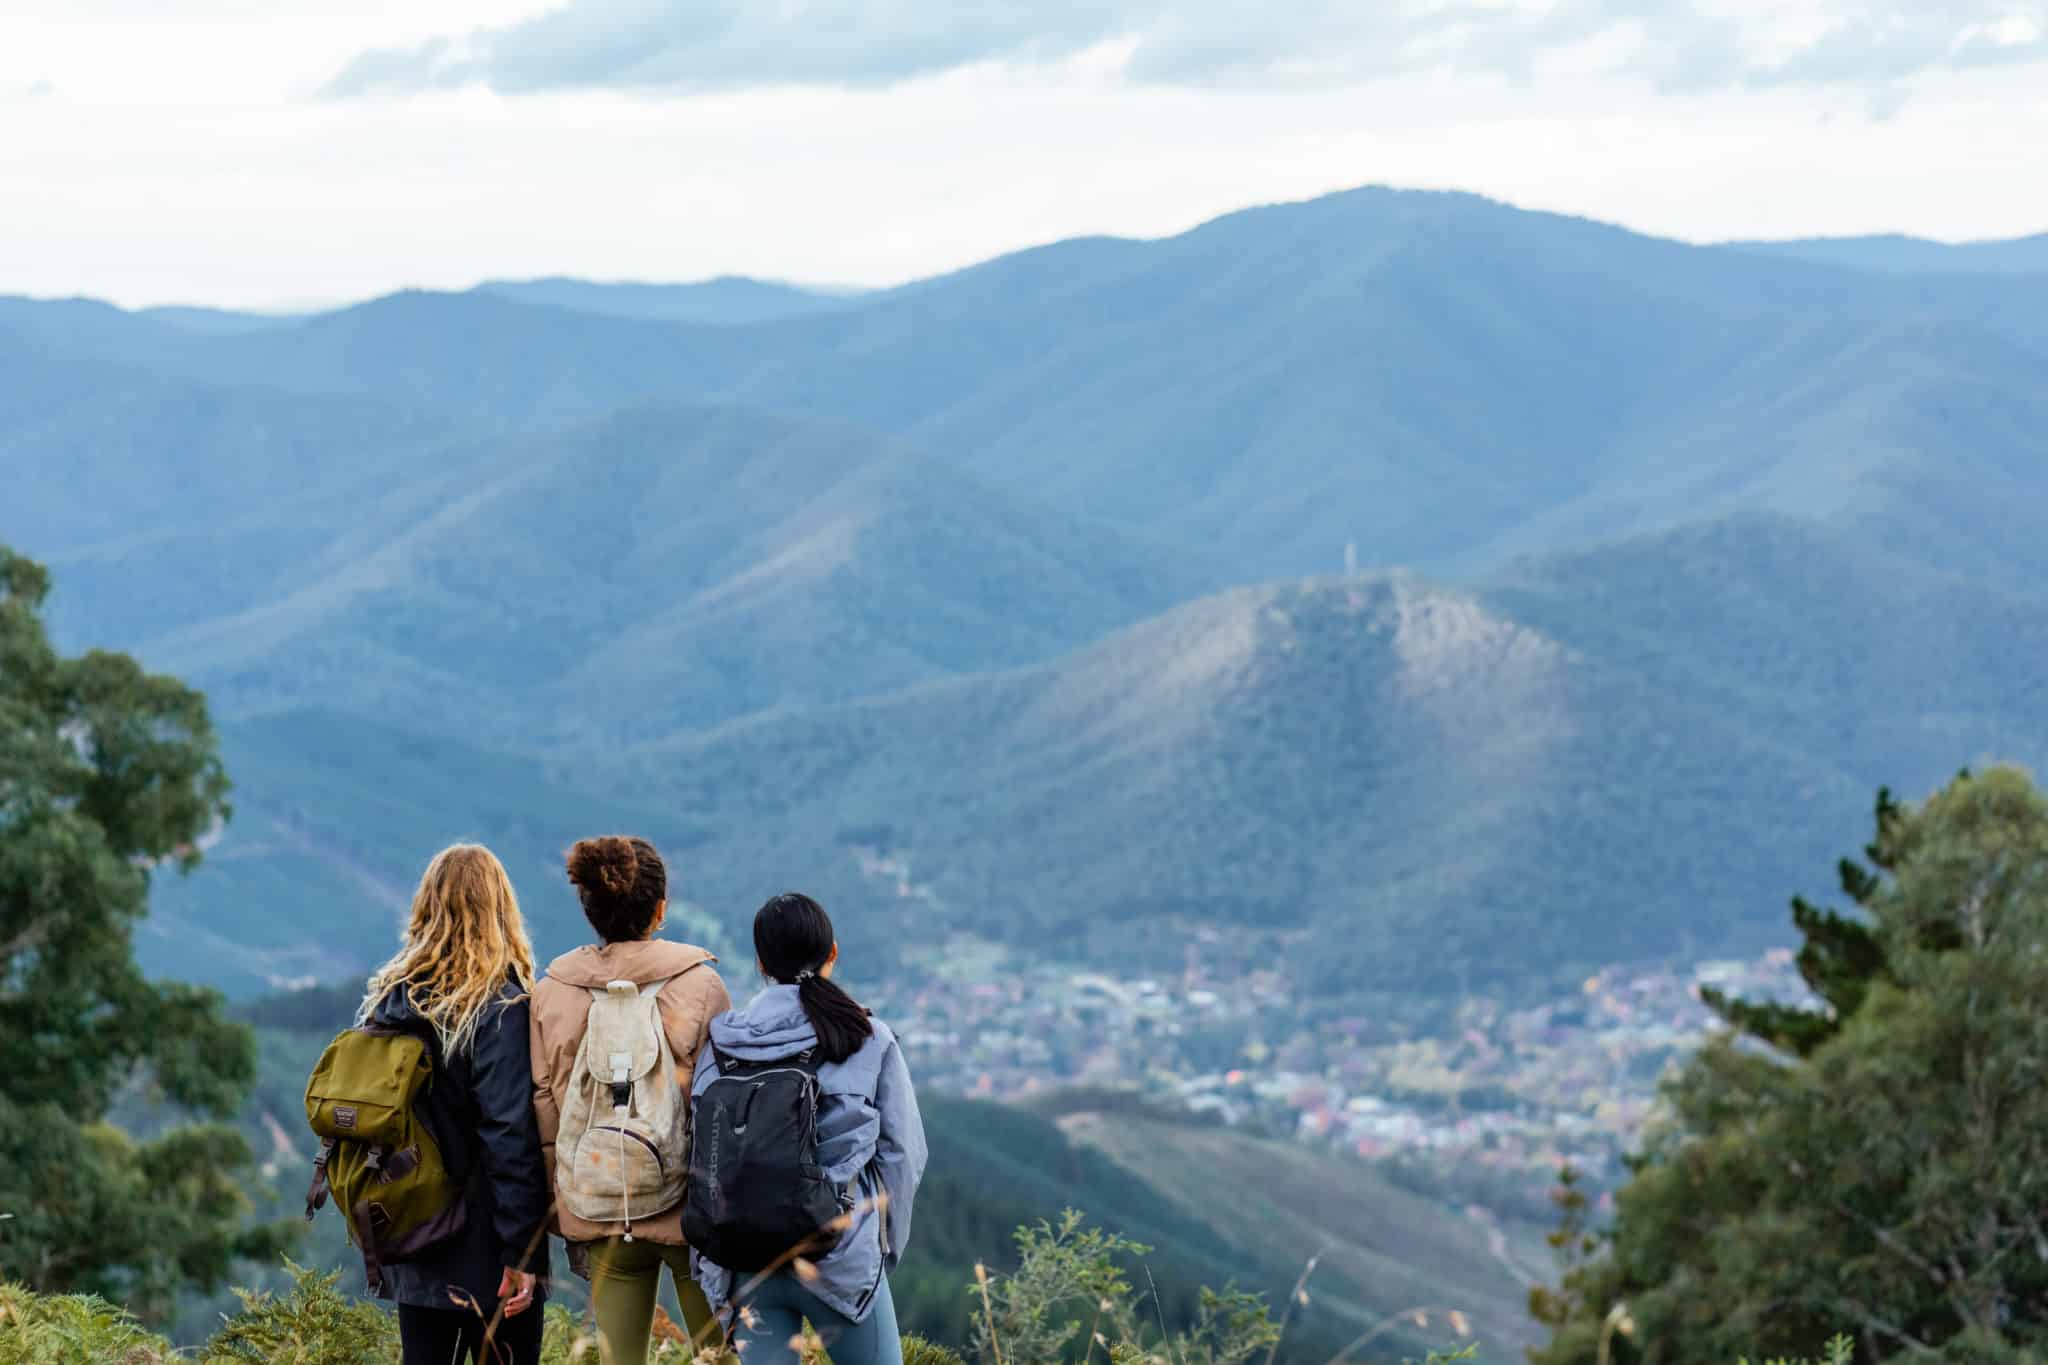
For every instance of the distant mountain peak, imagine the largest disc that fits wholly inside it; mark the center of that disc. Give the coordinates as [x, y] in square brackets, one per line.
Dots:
[1894, 253]
[1388, 640]
[727, 300]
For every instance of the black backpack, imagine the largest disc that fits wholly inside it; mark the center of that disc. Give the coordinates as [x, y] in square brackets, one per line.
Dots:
[757, 1193]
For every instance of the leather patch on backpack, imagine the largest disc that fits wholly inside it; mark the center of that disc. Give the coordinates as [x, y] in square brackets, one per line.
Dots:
[344, 1116]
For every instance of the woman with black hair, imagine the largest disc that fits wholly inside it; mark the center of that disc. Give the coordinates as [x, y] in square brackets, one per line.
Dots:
[870, 1145]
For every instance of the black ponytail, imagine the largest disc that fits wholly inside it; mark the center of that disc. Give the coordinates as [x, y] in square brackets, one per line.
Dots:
[793, 938]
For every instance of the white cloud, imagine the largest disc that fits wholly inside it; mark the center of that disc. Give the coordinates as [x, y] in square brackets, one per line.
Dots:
[688, 46]
[179, 160]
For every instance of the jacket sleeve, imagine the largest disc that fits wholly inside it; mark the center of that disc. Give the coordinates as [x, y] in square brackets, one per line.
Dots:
[547, 1110]
[502, 1067]
[899, 1151]
[688, 1005]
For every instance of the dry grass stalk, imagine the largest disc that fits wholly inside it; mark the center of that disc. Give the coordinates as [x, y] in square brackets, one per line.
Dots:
[1165, 1337]
[988, 1312]
[701, 1338]
[665, 1328]
[1418, 1315]
[1298, 1298]
[1617, 1320]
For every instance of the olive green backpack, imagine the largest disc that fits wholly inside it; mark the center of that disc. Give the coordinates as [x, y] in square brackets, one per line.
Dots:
[379, 1158]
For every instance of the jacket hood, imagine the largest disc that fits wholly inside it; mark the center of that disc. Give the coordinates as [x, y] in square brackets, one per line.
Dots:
[770, 1026]
[395, 1009]
[641, 962]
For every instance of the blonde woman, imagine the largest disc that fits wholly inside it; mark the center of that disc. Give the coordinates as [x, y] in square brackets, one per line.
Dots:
[461, 980]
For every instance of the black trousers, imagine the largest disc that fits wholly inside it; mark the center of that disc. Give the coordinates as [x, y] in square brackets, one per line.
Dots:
[455, 1336]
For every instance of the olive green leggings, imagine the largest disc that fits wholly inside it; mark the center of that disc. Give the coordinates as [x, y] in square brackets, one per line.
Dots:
[625, 1281]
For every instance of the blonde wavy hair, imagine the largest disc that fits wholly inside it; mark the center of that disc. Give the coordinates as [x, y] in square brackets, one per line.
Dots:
[464, 942]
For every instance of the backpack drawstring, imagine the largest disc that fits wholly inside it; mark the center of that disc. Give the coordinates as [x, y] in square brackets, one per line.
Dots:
[625, 1185]
[622, 1098]
[625, 1191]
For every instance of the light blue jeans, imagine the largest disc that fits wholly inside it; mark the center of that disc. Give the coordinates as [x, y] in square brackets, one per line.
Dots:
[782, 1306]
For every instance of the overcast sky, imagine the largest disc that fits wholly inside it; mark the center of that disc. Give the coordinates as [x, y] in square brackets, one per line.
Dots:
[286, 152]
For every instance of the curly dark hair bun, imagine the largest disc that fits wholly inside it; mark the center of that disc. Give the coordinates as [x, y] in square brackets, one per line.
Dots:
[609, 865]
[621, 881]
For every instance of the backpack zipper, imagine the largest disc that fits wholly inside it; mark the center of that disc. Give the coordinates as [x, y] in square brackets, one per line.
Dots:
[652, 1150]
[811, 1093]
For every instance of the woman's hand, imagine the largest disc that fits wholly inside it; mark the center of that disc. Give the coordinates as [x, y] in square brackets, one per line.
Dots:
[515, 1291]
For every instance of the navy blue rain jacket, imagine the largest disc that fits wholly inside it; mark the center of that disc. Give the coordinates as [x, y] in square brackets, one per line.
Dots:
[481, 1111]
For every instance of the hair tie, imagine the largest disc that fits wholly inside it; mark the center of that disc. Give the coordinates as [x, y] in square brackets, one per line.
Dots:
[805, 975]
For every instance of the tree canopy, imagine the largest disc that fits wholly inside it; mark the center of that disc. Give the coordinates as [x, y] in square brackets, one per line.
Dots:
[1873, 1162]
[106, 774]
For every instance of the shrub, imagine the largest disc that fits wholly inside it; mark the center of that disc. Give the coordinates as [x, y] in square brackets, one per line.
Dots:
[918, 1351]
[72, 1329]
[1069, 1299]
[1068, 1290]
[315, 1324]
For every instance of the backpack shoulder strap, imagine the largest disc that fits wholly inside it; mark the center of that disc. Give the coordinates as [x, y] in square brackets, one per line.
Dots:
[316, 1192]
[413, 1027]
[631, 990]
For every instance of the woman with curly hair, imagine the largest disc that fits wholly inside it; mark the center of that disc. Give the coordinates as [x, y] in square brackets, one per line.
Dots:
[461, 980]
[622, 883]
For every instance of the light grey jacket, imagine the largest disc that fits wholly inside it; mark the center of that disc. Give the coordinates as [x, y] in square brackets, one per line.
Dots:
[870, 1140]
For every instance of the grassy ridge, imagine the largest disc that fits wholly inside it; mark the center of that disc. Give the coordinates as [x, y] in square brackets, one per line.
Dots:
[1383, 1250]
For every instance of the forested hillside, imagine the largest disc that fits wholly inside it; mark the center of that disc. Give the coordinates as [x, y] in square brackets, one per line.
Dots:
[1648, 537]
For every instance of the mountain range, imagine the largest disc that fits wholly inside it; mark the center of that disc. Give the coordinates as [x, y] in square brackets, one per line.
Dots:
[1425, 592]
[1897, 254]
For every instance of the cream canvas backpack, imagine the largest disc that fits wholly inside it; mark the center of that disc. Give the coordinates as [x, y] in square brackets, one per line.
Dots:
[623, 1149]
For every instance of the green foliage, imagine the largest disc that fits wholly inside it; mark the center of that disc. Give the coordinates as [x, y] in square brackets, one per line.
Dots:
[1066, 1283]
[311, 1322]
[918, 1351]
[1889, 1179]
[72, 1329]
[1070, 1293]
[1066, 1276]
[1840, 957]
[314, 1324]
[1841, 1349]
[566, 1339]
[105, 771]
[1574, 1244]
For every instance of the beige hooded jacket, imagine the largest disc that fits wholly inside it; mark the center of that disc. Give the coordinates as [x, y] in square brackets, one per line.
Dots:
[693, 997]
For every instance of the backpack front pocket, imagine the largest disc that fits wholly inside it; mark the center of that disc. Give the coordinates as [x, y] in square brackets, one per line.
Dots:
[614, 1159]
